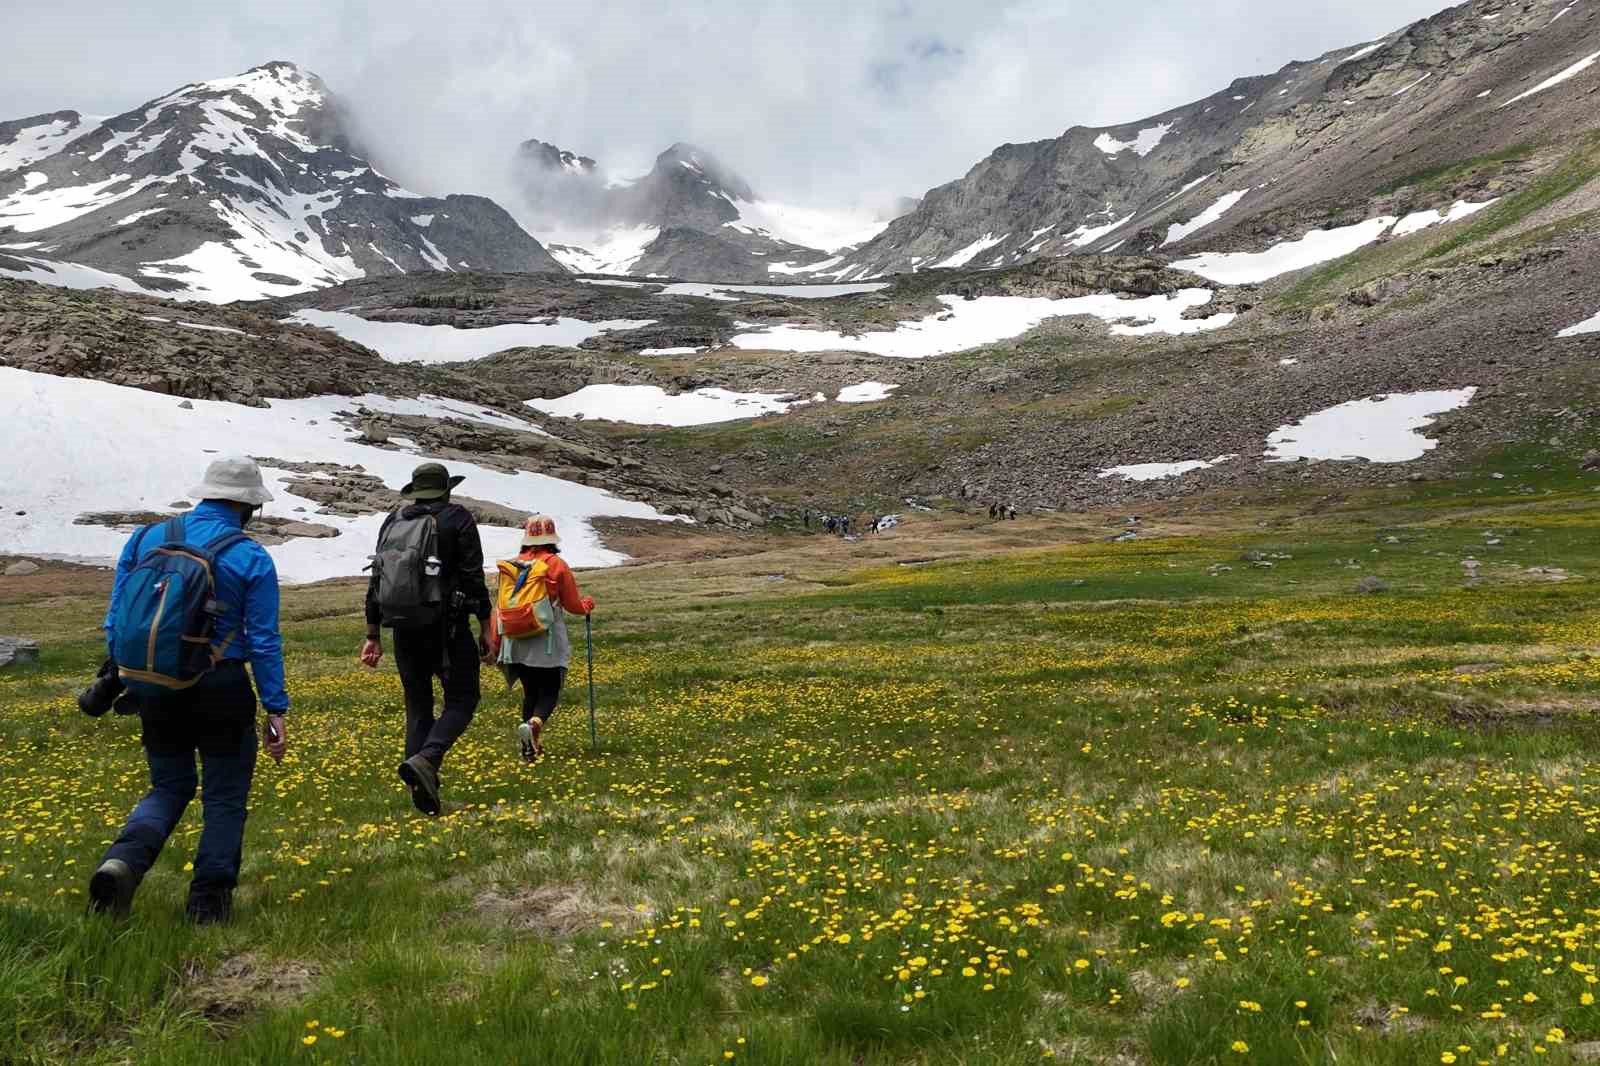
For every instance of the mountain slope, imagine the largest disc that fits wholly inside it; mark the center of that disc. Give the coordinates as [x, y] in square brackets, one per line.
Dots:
[239, 188]
[1269, 154]
[691, 217]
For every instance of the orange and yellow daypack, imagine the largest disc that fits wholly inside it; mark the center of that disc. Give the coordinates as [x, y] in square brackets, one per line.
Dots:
[523, 598]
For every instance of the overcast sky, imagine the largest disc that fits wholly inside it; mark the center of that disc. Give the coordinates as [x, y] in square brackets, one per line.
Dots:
[814, 101]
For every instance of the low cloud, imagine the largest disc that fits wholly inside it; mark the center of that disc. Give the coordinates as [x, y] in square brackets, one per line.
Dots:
[850, 102]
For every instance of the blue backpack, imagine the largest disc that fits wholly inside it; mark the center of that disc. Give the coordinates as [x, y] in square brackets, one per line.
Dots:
[164, 623]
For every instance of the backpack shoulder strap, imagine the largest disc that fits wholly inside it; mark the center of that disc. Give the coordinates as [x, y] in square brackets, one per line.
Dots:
[224, 542]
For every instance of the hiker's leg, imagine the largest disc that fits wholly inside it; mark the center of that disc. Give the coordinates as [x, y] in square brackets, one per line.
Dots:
[416, 657]
[460, 696]
[542, 692]
[228, 757]
[170, 753]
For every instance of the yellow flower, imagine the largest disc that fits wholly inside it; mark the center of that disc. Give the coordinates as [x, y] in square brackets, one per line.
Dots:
[308, 1040]
[1555, 1036]
[1447, 1056]
[1240, 1047]
[759, 981]
[968, 971]
[1182, 982]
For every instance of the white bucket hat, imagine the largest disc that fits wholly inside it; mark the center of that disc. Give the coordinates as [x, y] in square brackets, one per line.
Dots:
[235, 478]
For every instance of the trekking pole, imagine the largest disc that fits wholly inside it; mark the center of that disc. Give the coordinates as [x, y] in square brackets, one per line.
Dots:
[588, 638]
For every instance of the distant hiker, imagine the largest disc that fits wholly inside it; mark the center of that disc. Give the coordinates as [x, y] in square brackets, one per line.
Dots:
[1011, 513]
[193, 600]
[427, 579]
[994, 510]
[536, 592]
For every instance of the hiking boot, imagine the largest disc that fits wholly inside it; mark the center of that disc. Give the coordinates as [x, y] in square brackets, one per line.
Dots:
[423, 781]
[209, 906]
[528, 739]
[111, 888]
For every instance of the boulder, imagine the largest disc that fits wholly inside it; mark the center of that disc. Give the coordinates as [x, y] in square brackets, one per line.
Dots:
[22, 568]
[15, 650]
[1369, 585]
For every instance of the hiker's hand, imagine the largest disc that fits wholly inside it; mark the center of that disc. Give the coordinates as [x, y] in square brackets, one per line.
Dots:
[372, 652]
[276, 738]
[483, 649]
[588, 604]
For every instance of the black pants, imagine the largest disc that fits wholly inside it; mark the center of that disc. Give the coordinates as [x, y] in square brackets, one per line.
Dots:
[215, 719]
[421, 655]
[541, 689]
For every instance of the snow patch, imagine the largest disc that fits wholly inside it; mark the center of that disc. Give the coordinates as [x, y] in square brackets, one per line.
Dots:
[650, 405]
[1549, 83]
[1379, 429]
[1143, 143]
[1164, 471]
[970, 252]
[802, 292]
[973, 323]
[407, 342]
[671, 351]
[94, 446]
[422, 220]
[865, 392]
[1588, 325]
[1318, 246]
[1421, 220]
[1179, 230]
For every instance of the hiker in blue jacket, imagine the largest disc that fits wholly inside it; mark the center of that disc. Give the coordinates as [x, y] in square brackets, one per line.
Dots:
[215, 717]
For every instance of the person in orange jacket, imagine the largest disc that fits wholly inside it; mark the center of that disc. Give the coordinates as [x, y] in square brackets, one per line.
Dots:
[540, 663]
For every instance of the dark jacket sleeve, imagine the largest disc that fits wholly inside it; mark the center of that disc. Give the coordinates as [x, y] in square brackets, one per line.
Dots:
[469, 565]
[375, 616]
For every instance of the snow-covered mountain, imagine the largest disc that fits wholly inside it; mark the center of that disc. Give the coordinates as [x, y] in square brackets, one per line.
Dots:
[691, 217]
[235, 189]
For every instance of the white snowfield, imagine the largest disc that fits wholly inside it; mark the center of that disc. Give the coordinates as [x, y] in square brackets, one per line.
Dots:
[1549, 83]
[99, 447]
[1421, 220]
[1379, 429]
[1143, 143]
[1179, 230]
[33, 143]
[407, 342]
[670, 351]
[970, 252]
[613, 252]
[1164, 471]
[802, 292]
[651, 405]
[865, 392]
[75, 276]
[822, 229]
[1587, 326]
[1318, 246]
[973, 323]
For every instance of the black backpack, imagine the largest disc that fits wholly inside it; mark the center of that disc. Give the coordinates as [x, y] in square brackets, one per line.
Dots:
[409, 571]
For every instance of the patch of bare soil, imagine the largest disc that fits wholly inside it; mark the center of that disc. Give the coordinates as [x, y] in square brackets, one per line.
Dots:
[677, 542]
[245, 983]
[549, 910]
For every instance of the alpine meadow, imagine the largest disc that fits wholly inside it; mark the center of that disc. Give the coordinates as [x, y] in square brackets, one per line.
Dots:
[503, 601]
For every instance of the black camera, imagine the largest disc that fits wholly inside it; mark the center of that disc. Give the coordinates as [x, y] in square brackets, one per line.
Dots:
[102, 693]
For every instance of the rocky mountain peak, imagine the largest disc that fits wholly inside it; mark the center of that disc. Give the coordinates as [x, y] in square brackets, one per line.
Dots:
[545, 156]
[235, 188]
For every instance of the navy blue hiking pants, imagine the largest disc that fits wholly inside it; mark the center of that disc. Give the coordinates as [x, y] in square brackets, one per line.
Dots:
[215, 721]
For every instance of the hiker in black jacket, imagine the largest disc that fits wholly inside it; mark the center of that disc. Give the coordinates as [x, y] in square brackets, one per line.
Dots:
[432, 642]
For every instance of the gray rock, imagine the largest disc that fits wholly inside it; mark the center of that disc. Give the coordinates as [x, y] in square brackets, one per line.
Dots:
[22, 568]
[1591, 461]
[16, 651]
[186, 405]
[1370, 585]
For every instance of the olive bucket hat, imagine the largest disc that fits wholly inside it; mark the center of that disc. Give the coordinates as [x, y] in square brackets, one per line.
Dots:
[430, 481]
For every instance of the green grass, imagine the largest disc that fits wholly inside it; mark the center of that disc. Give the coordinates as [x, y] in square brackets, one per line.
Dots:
[1580, 167]
[1433, 179]
[1160, 801]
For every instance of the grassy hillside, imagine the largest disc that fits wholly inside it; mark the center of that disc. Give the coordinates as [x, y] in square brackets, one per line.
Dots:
[936, 798]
